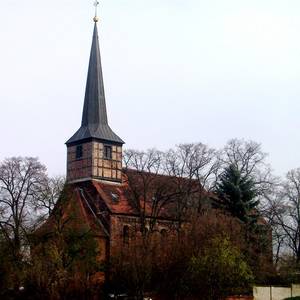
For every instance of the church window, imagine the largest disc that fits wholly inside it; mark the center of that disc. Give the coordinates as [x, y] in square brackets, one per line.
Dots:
[107, 152]
[126, 235]
[163, 236]
[163, 233]
[146, 230]
[115, 197]
[79, 152]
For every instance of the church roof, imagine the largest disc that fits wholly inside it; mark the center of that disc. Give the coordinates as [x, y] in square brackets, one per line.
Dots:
[95, 201]
[119, 198]
[75, 212]
[94, 124]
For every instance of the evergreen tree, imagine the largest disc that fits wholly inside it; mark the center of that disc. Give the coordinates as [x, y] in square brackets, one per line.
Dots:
[237, 194]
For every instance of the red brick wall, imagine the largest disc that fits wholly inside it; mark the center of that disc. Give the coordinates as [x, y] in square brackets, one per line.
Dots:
[117, 224]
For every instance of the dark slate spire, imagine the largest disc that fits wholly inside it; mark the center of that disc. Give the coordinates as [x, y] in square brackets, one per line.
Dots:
[94, 124]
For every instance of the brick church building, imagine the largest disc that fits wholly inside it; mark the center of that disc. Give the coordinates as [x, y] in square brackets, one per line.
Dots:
[98, 188]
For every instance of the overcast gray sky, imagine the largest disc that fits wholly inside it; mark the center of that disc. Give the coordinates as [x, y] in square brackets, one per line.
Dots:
[174, 70]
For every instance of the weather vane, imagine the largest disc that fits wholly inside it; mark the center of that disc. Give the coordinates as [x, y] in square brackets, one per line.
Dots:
[96, 18]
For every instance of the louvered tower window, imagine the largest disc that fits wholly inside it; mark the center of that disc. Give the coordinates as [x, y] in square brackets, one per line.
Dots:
[107, 152]
[79, 152]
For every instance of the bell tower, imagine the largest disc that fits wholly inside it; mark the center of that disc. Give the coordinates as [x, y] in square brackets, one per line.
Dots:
[94, 151]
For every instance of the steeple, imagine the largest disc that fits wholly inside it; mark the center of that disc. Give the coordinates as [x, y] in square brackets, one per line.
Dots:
[94, 151]
[94, 124]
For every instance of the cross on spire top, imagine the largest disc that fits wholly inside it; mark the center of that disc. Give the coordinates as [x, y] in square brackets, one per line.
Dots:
[96, 4]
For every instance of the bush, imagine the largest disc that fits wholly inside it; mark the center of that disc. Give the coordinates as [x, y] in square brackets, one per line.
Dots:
[218, 271]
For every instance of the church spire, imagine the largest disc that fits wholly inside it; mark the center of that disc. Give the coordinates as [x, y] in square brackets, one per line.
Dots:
[94, 152]
[94, 124]
[94, 110]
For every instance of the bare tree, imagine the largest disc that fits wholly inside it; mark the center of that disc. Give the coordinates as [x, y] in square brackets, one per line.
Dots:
[194, 168]
[179, 178]
[20, 181]
[142, 170]
[269, 208]
[46, 198]
[249, 159]
[284, 214]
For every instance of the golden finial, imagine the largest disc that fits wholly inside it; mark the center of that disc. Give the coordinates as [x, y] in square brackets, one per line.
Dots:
[96, 18]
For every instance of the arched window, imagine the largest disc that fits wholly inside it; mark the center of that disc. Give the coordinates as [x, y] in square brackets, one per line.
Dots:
[144, 231]
[126, 235]
[163, 236]
[163, 233]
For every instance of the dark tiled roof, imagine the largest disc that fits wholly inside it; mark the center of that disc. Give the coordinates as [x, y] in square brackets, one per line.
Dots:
[91, 199]
[94, 117]
[81, 213]
[122, 205]
[126, 204]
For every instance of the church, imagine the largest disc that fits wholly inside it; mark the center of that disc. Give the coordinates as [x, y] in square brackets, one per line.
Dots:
[116, 204]
[98, 187]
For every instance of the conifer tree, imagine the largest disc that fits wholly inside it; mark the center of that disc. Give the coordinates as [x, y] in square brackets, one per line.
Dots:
[237, 194]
